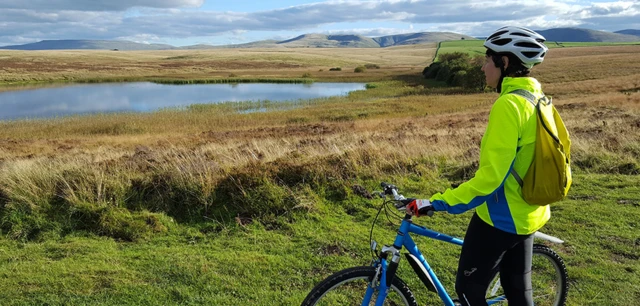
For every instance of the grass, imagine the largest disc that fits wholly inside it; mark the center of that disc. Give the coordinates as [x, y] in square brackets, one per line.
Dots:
[215, 205]
[475, 47]
[32, 67]
[194, 265]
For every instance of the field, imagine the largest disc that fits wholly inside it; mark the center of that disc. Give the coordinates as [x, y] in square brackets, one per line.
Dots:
[72, 65]
[474, 47]
[214, 206]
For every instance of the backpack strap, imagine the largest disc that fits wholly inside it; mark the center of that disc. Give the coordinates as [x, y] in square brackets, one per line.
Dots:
[525, 94]
[517, 177]
[531, 98]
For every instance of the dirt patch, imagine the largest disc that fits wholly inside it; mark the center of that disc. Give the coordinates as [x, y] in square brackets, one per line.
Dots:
[572, 106]
[361, 191]
[274, 132]
[335, 249]
[629, 202]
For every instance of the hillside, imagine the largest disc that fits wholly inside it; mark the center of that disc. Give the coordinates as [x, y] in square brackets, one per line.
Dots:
[269, 43]
[302, 41]
[629, 32]
[88, 45]
[330, 41]
[418, 38]
[315, 40]
[585, 35]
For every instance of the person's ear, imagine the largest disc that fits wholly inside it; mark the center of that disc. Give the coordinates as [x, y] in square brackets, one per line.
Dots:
[505, 62]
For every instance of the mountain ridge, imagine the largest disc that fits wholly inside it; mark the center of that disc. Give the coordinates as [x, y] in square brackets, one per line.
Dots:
[316, 40]
[585, 35]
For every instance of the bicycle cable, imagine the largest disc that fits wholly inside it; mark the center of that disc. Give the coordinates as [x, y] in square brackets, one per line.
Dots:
[393, 213]
[373, 224]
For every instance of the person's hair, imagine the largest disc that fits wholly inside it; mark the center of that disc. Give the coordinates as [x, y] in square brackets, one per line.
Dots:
[515, 69]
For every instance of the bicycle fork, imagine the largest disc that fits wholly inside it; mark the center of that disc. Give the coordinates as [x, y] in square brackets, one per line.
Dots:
[383, 278]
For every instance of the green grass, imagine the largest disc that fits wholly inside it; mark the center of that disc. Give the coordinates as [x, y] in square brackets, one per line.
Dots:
[472, 47]
[475, 47]
[149, 217]
[195, 264]
[553, 44]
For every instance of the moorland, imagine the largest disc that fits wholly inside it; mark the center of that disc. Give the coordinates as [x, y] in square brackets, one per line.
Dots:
[214, 205]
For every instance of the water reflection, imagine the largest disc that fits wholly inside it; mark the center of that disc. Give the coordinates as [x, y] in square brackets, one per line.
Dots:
[144, 97]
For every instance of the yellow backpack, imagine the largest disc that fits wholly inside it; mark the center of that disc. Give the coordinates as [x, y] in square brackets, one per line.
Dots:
[549, 176]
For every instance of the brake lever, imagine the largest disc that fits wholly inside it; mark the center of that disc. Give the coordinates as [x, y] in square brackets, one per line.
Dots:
[379, 194]
[401, 207]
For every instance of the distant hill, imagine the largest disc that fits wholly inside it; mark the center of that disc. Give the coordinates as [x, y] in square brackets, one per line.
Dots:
[335, 41]
[347, 41]
[629, 32]
[418, 38]
[585, 35]
[88, 44]
[330, 41]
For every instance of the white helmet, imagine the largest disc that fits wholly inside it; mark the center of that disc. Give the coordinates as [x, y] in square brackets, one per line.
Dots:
[527, 45]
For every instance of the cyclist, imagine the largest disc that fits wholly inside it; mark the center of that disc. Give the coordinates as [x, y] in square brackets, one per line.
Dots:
[500, 234]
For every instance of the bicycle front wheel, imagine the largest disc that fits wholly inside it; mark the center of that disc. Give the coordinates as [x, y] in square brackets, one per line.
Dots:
[348, 287]
[548, 280]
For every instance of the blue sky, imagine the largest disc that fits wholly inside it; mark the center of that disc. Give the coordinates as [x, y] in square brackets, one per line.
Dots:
[214, 22]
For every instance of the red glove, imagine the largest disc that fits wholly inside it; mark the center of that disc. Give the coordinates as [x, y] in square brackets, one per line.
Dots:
[418, 207]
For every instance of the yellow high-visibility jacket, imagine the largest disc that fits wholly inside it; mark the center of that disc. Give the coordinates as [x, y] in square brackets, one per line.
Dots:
[507, 142]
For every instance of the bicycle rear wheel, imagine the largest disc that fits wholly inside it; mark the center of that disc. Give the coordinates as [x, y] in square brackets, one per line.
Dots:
[348, 287]
[548, 279]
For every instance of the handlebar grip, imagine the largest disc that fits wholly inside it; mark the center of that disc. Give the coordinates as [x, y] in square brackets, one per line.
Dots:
[388, 188]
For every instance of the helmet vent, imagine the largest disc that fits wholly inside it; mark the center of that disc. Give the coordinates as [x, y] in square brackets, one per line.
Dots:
[527, 45]
[530, 54]
[520, 34]
[501, 42]
[496, 34]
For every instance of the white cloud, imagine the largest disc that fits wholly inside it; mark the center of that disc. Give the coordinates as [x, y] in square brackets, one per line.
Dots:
[35, 20]
[95, 5]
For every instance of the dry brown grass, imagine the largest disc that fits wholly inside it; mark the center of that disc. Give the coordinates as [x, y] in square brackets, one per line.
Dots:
[394, 127]
[104, 173]
[574, 76]
[67, 65]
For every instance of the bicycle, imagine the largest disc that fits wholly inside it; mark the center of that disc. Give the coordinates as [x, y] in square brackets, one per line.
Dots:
[377, 284]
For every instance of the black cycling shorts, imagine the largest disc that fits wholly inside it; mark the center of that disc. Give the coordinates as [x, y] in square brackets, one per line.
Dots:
[487, 250]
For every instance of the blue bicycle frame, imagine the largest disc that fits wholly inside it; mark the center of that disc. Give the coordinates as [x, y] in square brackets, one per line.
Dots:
[403, 239]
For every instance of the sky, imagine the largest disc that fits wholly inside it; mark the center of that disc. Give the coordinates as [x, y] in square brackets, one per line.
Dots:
[222, 22]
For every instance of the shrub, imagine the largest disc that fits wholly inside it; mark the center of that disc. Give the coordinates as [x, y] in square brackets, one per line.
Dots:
[431, 71]
[457, 69]
[474, 78]
[335, 69]
[444, 73]
[360, 69]
[372, 66]
[458, 78]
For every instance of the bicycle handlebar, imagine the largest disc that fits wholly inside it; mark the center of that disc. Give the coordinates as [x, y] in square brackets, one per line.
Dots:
[389, 189]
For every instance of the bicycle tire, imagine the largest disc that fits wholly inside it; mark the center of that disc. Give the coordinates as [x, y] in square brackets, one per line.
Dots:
[362, 275]
[542, 255]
